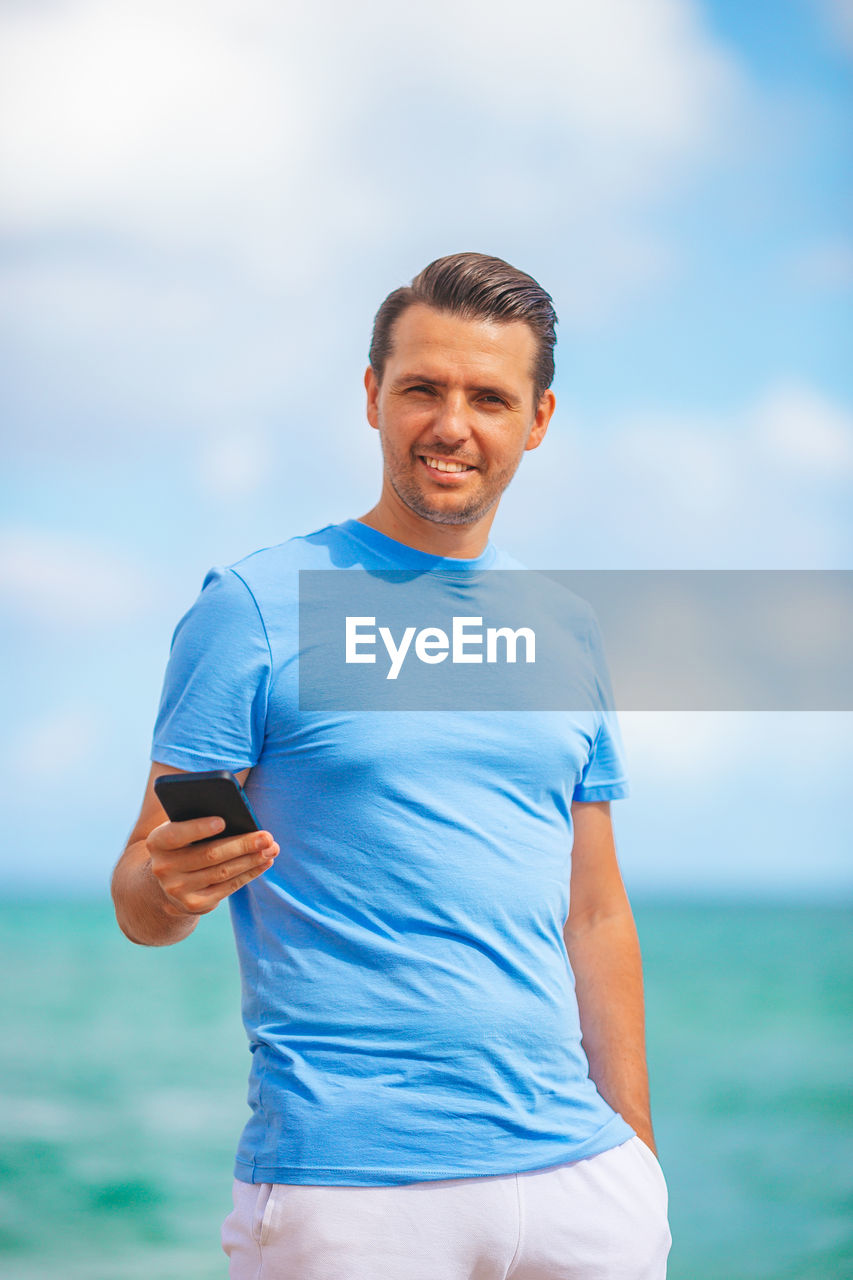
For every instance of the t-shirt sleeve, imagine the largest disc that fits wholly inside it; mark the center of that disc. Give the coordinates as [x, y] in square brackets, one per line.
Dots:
[213, 706]
[604, 776]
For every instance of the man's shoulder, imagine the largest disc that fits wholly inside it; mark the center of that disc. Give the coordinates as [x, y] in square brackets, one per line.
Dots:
[325, 548]
[267, 580]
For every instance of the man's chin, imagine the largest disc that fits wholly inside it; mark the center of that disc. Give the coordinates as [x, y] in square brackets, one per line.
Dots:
[441, 513]
[445, 507]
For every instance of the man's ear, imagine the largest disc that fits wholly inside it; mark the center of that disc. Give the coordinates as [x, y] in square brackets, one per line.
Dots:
[371, 386]
[544, 413]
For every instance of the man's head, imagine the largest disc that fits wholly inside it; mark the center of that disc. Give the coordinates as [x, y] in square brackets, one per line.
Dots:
[457, 388]
[474, 286]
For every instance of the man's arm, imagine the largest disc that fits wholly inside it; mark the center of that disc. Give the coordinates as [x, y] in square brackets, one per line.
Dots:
[604, 952]
[164, 880]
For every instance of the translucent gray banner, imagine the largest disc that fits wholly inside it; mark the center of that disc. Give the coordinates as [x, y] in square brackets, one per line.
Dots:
[654, 640]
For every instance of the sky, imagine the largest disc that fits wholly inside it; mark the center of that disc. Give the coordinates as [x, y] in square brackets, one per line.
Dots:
[204, 203]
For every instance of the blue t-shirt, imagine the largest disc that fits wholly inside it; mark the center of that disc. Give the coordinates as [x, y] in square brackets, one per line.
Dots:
[407, 994]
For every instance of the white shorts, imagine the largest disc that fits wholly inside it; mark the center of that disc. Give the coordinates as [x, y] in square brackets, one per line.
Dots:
[603, 1218]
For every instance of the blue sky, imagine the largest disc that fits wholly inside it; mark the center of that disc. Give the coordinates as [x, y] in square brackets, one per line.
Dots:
[203, 206]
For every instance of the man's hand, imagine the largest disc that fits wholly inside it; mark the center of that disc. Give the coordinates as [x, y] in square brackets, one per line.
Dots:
[164, 882]
[195, 877]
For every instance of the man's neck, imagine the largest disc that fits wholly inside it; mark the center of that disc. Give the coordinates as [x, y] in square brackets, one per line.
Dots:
[457, 541]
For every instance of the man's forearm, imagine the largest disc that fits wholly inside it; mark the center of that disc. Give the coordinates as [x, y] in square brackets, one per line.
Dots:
[605, 957]
[142, 911]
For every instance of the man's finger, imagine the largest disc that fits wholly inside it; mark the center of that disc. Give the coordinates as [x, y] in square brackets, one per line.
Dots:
[211, 854]
[215, 851]
[176, 835]
[231, 861]
[208, 858]
[198, 894]
[178, 878]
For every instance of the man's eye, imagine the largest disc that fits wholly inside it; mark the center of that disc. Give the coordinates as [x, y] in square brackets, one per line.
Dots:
[428, 390]
[493, 399]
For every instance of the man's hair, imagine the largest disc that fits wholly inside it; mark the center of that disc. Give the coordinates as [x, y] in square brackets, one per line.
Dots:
[474, 287]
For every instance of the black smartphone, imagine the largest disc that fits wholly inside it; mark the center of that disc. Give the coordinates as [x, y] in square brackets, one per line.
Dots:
[216, 794]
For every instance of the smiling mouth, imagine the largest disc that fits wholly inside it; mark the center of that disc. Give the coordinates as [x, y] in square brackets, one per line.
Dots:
[445, 466]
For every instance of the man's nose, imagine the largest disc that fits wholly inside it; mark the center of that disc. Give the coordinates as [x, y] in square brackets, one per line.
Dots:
[452, 422]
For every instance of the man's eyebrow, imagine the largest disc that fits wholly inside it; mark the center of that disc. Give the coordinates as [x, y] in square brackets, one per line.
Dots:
[488, 389]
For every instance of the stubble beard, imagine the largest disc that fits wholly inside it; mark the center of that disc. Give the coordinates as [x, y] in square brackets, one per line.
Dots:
[477, 506]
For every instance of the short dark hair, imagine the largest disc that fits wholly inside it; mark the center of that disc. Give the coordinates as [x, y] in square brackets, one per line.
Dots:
[474, 286]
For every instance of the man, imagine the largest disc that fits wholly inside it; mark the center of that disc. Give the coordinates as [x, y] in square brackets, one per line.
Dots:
[415, 983]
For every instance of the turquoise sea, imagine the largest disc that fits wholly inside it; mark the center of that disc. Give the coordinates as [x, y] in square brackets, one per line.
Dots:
[123, 1075]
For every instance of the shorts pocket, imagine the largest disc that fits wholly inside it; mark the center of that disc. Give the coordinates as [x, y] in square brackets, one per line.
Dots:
[263, 1212]
[652, 1161]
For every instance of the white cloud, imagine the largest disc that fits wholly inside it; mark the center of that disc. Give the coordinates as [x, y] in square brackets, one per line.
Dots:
[686, 458]
[65, 581]
[765, 487]
[681, 746]
[648, 88]
[248, 128]
[139, 115]
[704, 748]
[799, 428]
[824, 266]
[233, 466]
[61, 744]
[75, 300]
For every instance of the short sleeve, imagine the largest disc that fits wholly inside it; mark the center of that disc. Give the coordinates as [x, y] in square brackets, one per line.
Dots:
[604, 775]
[213, 706]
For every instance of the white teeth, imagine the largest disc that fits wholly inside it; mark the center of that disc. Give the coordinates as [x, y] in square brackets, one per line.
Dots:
[441, 464]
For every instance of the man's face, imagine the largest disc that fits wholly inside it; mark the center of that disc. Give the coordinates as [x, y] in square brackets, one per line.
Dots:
[455, 412]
